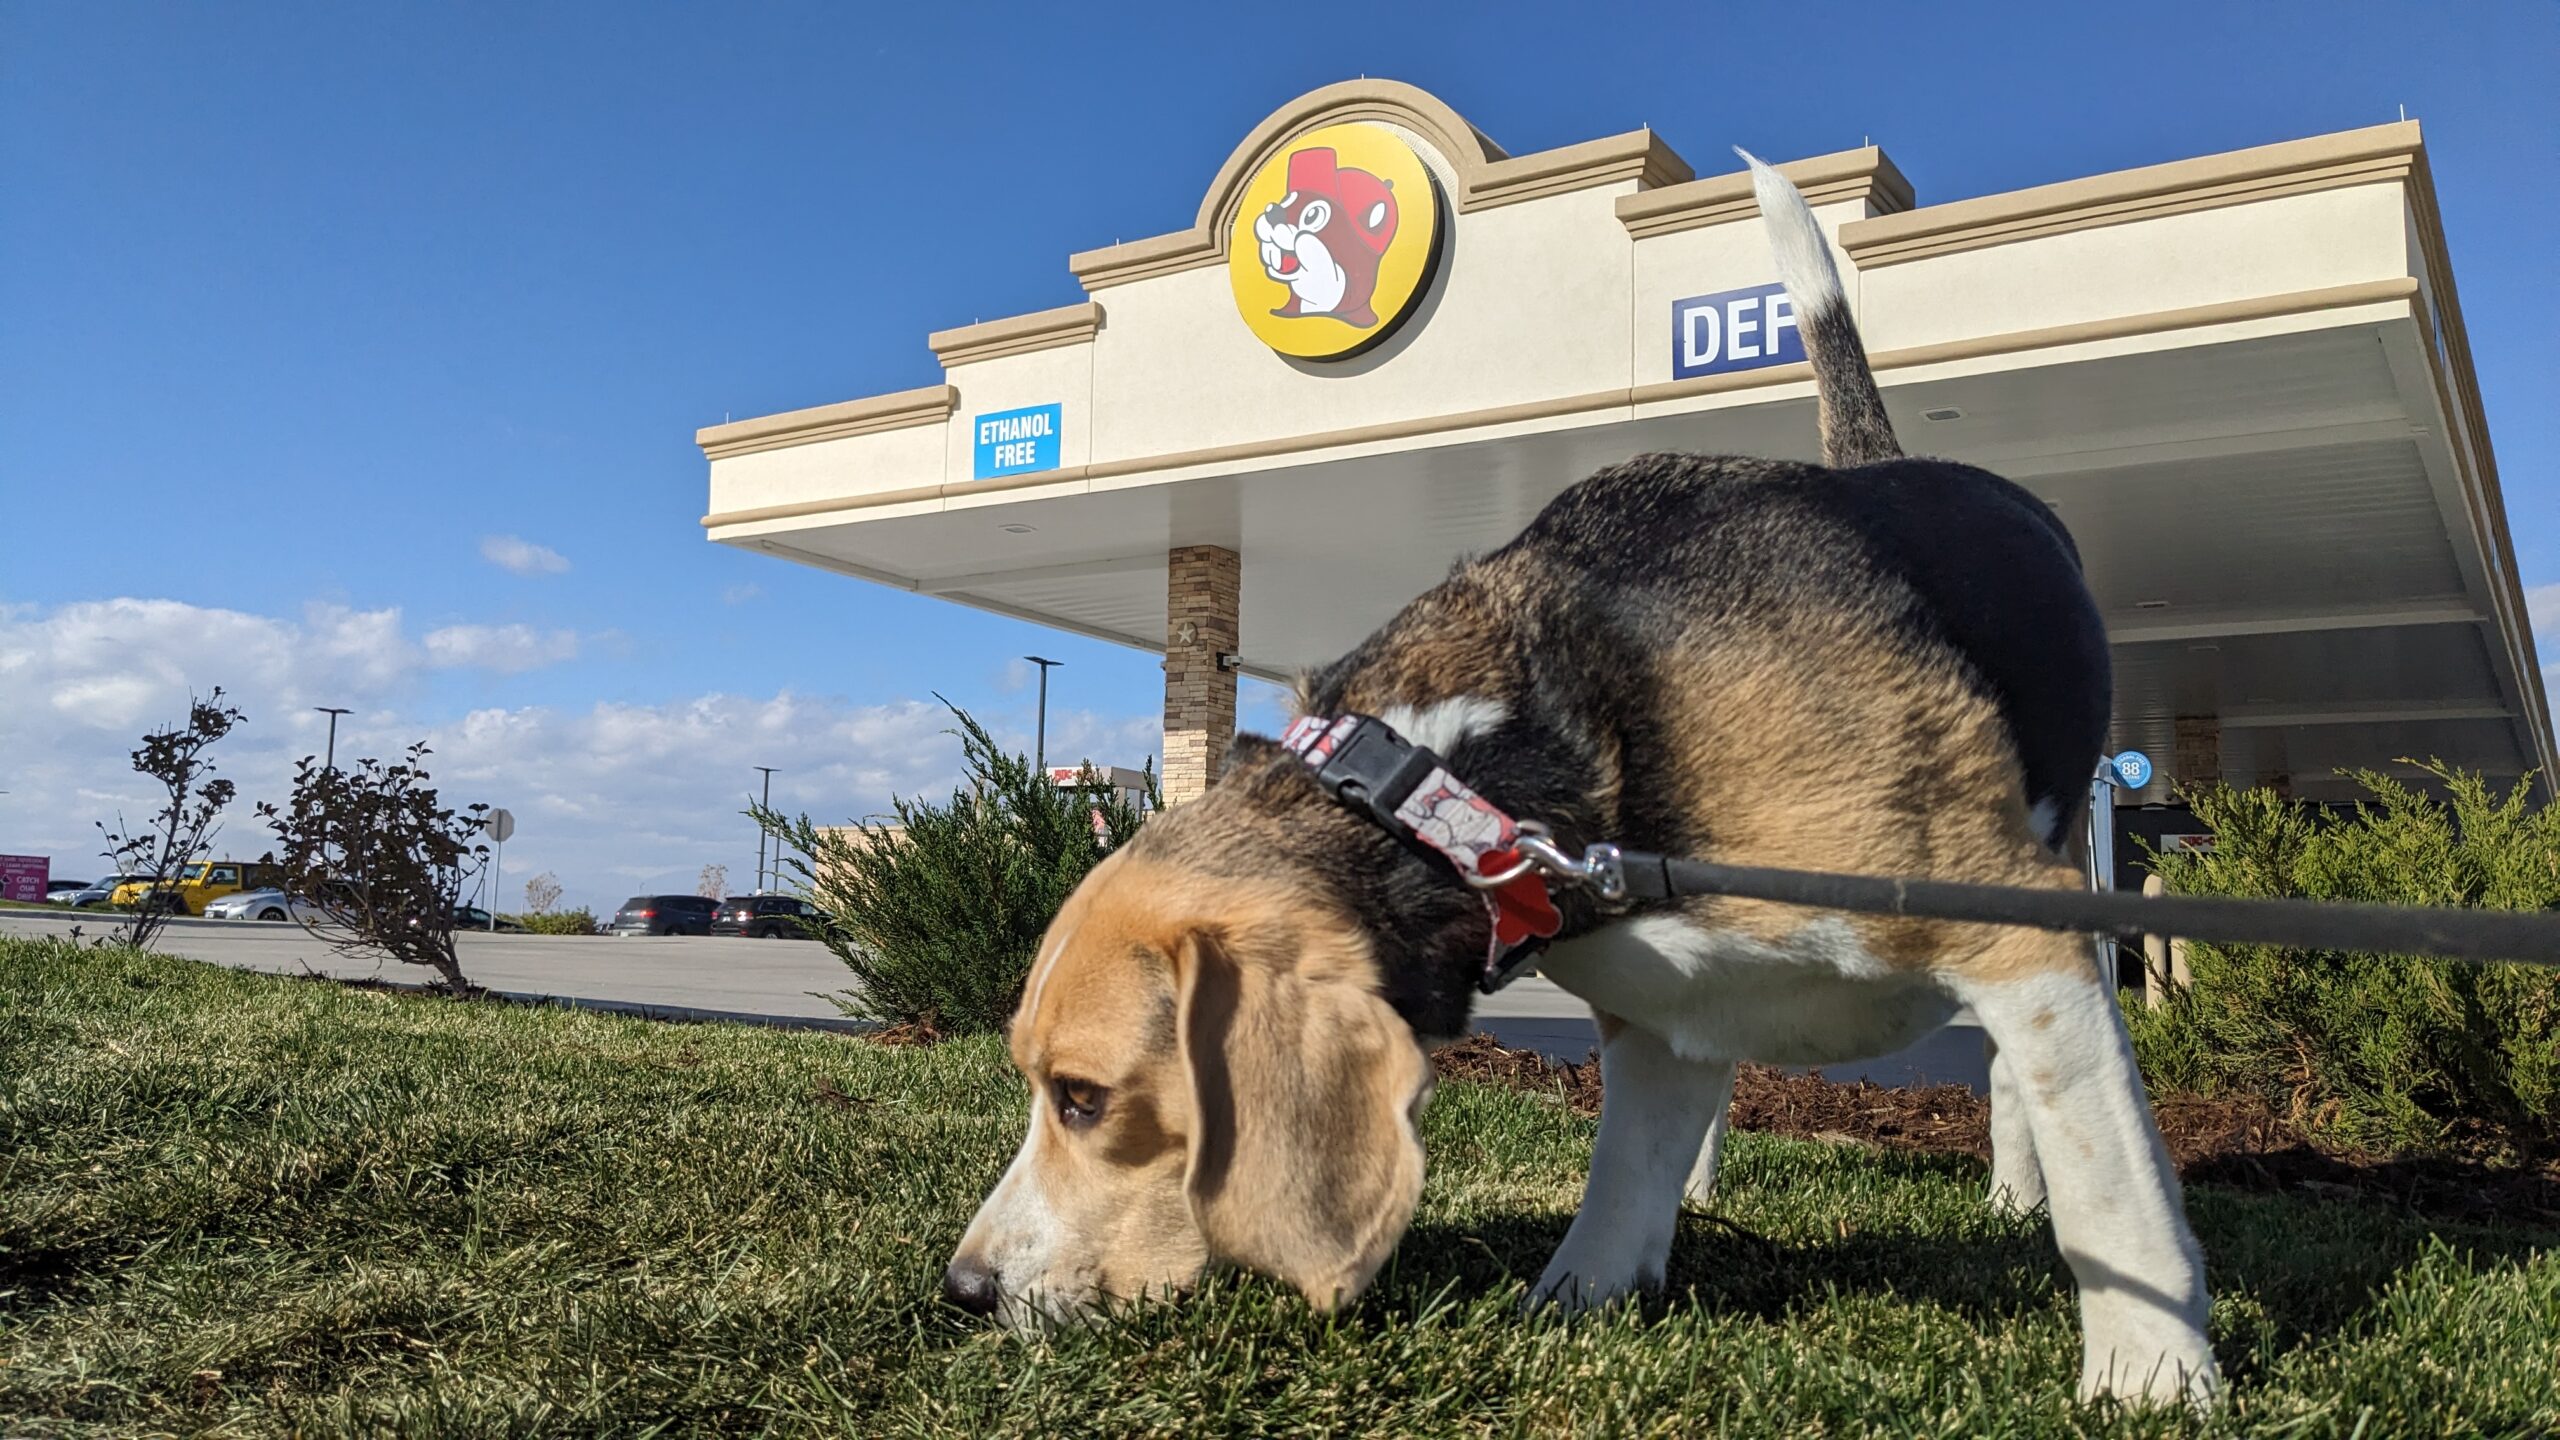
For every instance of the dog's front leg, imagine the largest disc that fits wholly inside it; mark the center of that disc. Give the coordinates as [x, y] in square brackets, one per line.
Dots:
[1654, 1113]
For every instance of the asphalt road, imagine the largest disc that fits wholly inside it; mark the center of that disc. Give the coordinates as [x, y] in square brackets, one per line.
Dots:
[787, 981]
[773, 978]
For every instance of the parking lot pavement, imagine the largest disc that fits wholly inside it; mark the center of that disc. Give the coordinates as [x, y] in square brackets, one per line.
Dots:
[772, 978]
[723, 977]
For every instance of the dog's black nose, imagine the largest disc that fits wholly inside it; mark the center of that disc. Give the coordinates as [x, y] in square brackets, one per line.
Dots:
[971, 1285]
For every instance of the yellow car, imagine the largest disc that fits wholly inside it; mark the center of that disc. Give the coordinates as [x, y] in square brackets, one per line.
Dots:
[195, 887]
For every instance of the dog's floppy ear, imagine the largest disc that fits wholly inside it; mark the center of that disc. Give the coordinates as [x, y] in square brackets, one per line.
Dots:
[1306, 1090]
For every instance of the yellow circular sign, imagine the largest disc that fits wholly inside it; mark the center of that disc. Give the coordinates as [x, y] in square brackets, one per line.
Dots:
[1334, 242]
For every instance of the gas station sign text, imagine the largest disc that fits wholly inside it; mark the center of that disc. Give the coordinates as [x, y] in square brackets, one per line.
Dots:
[1733, 330]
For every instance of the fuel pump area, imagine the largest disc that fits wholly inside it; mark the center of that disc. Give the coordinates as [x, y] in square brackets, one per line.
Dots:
[1383, 342]
[1117, 782]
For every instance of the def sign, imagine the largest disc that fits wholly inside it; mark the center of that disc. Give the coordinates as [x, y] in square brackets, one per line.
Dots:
[1733, 330]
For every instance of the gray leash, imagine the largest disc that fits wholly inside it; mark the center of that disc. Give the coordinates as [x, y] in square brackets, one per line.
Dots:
[2517, 936]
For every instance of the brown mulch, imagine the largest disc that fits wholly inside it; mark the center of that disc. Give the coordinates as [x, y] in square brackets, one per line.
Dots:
[2235, 1141]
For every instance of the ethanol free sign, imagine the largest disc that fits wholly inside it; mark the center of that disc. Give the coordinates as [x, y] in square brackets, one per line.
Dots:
[1016, 442]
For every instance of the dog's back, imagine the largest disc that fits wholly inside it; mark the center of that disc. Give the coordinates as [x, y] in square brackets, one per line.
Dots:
[1946, 566]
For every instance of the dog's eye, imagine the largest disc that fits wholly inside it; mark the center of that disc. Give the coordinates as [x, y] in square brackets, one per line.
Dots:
[1079, 1102]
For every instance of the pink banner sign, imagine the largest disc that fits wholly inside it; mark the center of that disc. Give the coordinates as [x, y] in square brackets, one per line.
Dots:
[23, 877]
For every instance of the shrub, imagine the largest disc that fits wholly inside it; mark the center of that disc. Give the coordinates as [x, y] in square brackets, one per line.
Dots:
[580, 921]
[181, 831]
[939, 914]
[383, 855]
[2384, 1052]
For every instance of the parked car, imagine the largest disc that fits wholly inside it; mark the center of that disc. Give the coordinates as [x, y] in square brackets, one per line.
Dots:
[664, 915]
[195, 887]
[472, 917]
[764, 917]
[266, 904]
[59, 892]
[100, 893]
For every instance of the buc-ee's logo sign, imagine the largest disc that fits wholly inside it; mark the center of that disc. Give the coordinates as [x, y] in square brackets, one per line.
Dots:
[1335, 242]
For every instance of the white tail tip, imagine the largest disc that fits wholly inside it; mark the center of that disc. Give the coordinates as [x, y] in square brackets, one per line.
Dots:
[1795, 238]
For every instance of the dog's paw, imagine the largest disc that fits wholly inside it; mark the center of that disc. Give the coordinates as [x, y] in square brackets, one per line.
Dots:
[2182, 1374]
[2017, 1184]
[2012, 1202]
[1571, 1288]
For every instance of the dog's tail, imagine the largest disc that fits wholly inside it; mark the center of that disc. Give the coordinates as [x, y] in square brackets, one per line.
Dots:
[1854, 427]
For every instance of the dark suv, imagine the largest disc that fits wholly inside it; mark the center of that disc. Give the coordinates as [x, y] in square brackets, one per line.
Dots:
[664, 915]
[766, 917]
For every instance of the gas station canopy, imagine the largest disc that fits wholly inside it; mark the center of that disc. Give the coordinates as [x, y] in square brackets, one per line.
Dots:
[2241, 380]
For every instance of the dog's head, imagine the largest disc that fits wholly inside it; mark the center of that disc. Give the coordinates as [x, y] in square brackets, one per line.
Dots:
[1213, 1078]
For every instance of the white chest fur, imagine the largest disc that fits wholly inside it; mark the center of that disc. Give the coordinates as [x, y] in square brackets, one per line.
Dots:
[1815, 998]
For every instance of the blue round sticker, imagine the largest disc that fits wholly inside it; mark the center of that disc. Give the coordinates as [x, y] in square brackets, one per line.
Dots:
[2134, 769]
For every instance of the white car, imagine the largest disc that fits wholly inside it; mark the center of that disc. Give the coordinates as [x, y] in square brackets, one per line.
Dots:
[264, 905]
[99, 893]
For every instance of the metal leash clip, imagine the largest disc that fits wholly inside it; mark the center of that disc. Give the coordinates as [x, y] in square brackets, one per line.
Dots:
[1602, 868]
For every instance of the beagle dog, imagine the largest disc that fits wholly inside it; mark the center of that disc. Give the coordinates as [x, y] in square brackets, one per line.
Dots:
[1747, 661]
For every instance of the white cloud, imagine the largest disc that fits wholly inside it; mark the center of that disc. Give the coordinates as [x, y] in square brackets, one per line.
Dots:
[741, 594]
[2542, 603]
[616, 799]
[517, 555]
[507, 649]
[116, 665]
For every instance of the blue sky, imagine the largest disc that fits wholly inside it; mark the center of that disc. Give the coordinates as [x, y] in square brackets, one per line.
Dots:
[308, 311]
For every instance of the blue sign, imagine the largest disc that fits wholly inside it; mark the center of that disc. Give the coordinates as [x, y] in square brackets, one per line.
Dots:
[1017, 442]
[2133, 768]
[1733, 330]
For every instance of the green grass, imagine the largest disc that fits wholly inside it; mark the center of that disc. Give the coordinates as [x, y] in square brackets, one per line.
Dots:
[239, 1205]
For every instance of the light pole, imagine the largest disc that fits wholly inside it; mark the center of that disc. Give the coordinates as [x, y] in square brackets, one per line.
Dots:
[766, 804]
[331, 763]
[1040, 742]
[333, 712]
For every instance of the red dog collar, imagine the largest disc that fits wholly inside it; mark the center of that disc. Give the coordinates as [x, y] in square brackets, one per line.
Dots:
[1407, 790]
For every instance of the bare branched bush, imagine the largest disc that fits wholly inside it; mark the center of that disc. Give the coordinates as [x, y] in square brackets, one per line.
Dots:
[181, 833]
[541, 893]
[382, 860]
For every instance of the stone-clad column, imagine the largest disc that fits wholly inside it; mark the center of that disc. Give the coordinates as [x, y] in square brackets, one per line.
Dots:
[1201, 589]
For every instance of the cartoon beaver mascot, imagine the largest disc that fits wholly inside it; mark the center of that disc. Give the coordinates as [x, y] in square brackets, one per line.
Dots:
[1325, 237]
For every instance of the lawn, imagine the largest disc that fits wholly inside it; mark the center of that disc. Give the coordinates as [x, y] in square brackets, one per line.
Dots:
[243, 1205]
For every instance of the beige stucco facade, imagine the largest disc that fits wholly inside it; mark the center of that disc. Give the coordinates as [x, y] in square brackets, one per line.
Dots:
[2242, 380]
